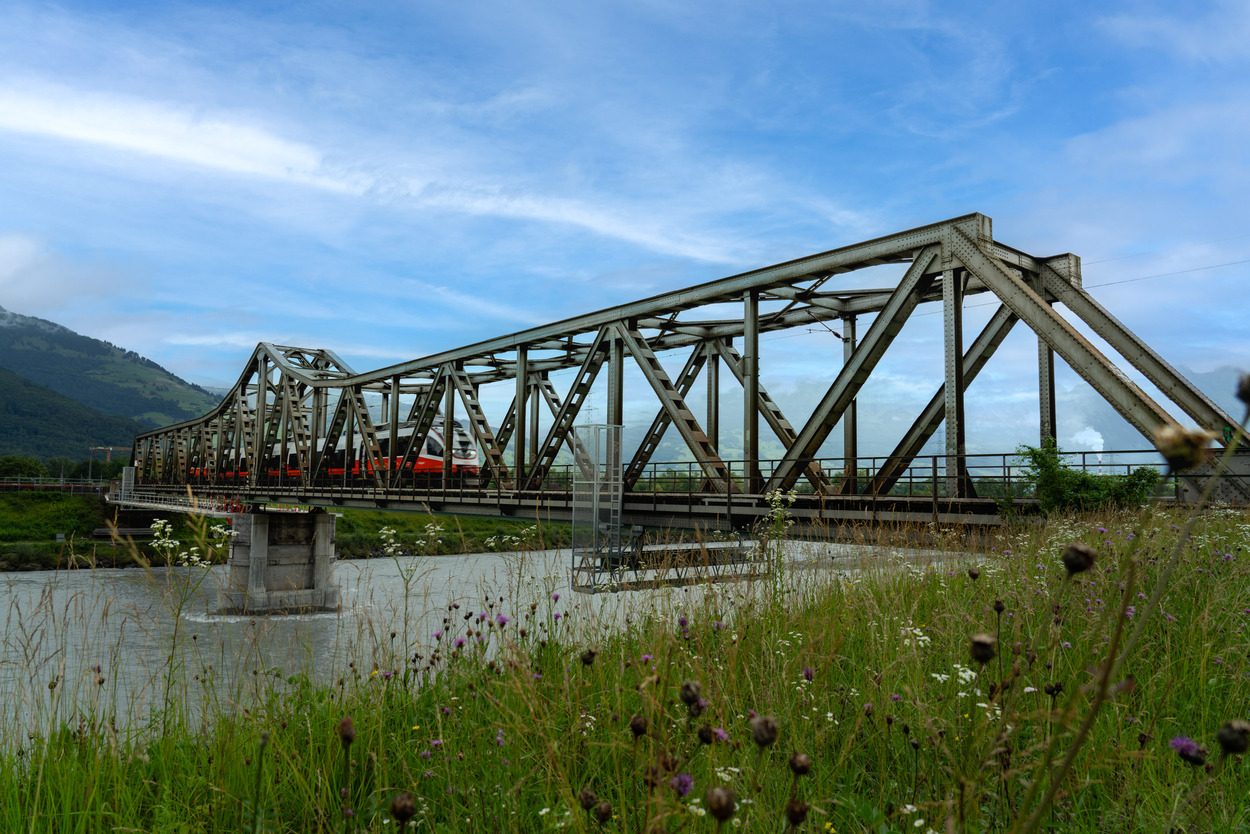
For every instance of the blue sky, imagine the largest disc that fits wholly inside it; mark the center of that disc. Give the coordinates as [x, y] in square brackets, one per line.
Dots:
[392, 179]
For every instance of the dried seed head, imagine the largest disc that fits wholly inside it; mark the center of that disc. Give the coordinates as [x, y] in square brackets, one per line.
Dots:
[720, 803]
[796, 812]
[1243, 389]
[347, 731]
[764, 730]
[638, 725]
[705, 734]
[1079, 557]
[603, 812]
[587, 799]
[1183, 448]
[800, 763]
[690, 692]
[403, 807]
[974, 574]
[999, 606]
[981, 647]
[588, 657]
[1234, 736]
[697, 708]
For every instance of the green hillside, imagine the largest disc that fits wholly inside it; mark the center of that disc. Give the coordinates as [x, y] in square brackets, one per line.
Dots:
[97, 374]
[40, 423]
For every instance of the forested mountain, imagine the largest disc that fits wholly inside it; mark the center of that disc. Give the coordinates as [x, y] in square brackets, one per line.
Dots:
[40, 423]
[97, 374]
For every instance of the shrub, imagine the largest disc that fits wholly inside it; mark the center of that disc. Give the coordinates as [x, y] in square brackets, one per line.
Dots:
[1061, 489]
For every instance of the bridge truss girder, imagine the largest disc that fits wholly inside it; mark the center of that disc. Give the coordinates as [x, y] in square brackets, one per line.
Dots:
[305, 407]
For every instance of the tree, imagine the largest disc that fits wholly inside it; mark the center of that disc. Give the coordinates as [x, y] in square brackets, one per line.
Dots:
[20, 466]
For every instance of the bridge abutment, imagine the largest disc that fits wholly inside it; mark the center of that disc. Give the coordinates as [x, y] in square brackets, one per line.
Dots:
[281, 562]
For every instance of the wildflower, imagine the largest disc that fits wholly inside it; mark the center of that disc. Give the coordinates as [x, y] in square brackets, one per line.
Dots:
[1078, 557]
[347, 731]
[1182, 448]
[763, 730]
[1190, 750]
[1234, 736]
[638, 725]
[502, 620]
[720, 803]
[403, 807]
[682, 622]
[981, 648]
[682, 783]
[720, 734]
[555, 597]
[460, 642]
[800, 763]
[809, 674]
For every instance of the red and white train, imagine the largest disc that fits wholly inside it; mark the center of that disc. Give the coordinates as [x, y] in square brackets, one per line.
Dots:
[423, 464]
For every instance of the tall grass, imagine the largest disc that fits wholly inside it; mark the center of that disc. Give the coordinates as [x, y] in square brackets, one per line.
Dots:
[530, 709]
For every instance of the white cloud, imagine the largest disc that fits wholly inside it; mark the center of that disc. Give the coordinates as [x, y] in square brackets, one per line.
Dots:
[162, 130]
[1220, 35]
[37, 282]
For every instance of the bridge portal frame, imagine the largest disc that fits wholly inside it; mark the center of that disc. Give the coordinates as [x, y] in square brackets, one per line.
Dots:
[300, 405]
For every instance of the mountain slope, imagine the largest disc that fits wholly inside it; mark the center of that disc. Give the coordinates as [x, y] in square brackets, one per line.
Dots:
[40, 423]
[97, 374]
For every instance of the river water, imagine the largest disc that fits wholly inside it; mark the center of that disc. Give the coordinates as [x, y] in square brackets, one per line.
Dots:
[119, 645]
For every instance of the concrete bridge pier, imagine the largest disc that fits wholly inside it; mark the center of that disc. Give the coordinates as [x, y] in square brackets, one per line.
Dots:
[281, 562]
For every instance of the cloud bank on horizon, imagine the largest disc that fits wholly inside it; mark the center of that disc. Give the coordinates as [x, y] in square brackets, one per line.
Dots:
[389, 180]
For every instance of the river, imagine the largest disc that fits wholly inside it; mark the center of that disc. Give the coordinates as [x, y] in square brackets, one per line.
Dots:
[118, 645]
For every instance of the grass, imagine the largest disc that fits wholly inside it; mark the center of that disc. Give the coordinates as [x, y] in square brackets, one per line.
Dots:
[525, 703]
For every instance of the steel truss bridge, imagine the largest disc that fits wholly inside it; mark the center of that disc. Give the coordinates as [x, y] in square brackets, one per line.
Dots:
[276, 435]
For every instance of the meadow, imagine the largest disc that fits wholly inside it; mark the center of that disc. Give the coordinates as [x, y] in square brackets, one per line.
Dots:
[1002, 690]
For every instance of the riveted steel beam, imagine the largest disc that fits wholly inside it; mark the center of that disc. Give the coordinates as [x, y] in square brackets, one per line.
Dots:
[855, 373]
[1131, 402]
[979, 353]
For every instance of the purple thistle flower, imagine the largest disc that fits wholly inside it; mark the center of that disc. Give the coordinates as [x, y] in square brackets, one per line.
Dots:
[682, 622]
[1189, 750]
[557, 615]
[438, 635]
[502, 620]
[683, 783]
[809, 674]
[646, 658]
[720, 734]
[459, 642]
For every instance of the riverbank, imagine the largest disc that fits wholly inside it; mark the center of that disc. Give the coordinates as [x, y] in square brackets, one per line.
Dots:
[31, 522]
[894, 696]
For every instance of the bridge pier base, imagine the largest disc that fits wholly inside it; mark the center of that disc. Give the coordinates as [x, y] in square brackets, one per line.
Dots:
[281, 562]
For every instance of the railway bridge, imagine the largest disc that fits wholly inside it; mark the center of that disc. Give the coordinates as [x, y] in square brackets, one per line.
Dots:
[301, 427]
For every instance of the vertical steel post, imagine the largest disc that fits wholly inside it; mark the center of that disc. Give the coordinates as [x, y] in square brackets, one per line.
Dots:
[713, 396]
[449, 423]
[258, 428]
[535, 402]
[850, 426]
[953, 321]
[616, 373]
[392, 446]
[616, 408]
[1046, 391]
[751, 390]
[520, 424]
